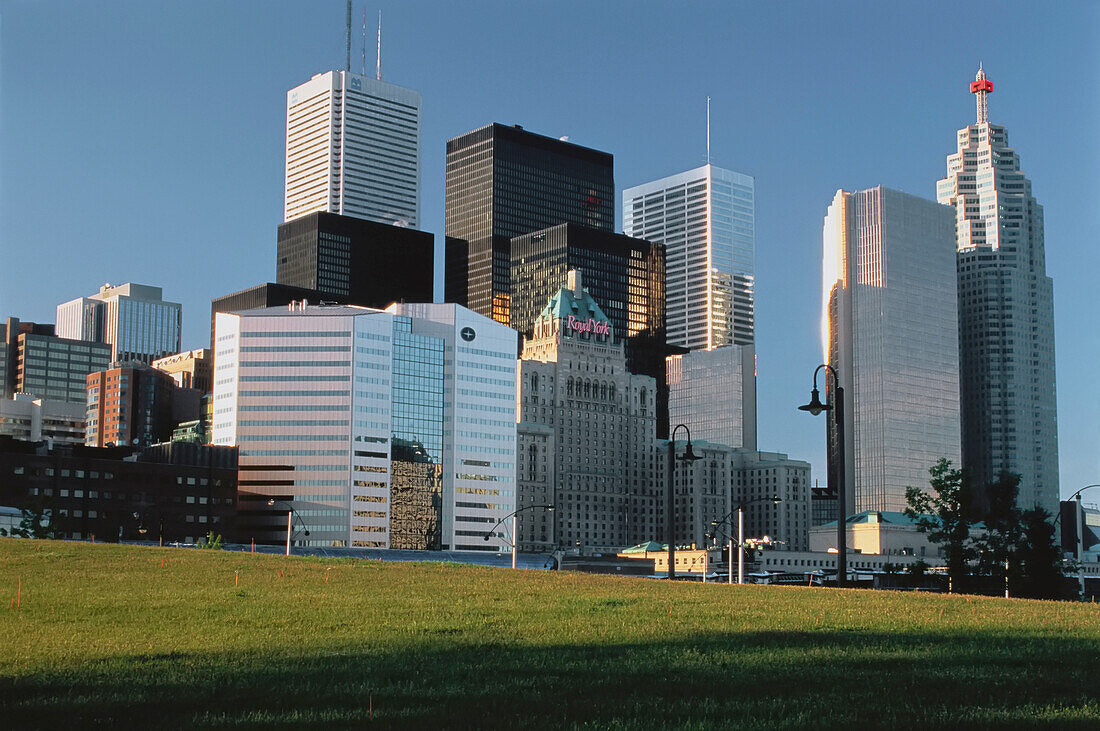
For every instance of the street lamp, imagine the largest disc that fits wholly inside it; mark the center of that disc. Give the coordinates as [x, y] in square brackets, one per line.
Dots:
[512, 515]
[289, 516]
[670, 512]
[740, 510]
[815, 407]
[1079, 535]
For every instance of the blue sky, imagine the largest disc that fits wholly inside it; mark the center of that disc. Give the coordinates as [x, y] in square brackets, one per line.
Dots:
[143, 141]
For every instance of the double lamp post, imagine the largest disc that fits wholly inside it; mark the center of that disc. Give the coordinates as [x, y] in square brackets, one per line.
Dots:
[740, 510]
[513, 515]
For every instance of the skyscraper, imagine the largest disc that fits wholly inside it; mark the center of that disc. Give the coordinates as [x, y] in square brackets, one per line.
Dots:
[1006, 312]
[355, 261]
[131, 318]
[713, 392]
[706, 219]
[353, 148]
[889, 320]
[379, 428]
[503, 182]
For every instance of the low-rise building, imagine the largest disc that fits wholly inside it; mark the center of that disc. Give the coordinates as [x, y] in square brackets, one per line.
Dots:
[874, 532]
[169, 492]
[31, 419]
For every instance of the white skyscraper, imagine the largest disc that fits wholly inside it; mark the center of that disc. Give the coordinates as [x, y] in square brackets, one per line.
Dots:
[1006, 312]
[131, 318]
[890, 331]
[376, 429]
[706, 220]
[353, 148]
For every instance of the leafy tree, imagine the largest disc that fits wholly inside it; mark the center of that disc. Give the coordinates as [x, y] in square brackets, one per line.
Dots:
[34, 524]
[946, 516]
[995, 505]
[1039, 558]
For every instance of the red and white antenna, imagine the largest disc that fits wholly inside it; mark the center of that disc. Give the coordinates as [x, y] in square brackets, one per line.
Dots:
[980, 87]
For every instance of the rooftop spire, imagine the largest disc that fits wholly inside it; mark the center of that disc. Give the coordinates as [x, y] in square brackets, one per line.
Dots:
[980, 87]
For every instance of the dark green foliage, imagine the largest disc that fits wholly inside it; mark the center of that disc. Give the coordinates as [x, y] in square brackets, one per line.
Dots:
[1039, 559]
[947, 515]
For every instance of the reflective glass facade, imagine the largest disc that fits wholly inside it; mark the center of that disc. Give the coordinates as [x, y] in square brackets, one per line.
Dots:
[713, 392]
[706, 220]
[416, 445]
[132, 318]
[891, 323]
[503, 182]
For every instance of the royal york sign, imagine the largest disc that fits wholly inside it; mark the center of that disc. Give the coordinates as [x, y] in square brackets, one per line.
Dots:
[591, 325]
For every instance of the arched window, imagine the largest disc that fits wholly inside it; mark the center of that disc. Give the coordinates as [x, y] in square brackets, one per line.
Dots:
[535, 381]
[603, 391]
[587, 389]
[611, 392]
[569, 386]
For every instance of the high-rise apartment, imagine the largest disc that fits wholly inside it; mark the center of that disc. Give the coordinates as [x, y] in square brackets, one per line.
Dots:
[358, 262]
[503, 182]
[353, 148]
[380, 429]
[1006, 312]
[890, 324]
[706, 220]
[132, 318]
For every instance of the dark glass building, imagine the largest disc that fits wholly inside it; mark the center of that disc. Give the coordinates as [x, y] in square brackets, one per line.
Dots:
[503, 182]
[355, 262]
[168, 492]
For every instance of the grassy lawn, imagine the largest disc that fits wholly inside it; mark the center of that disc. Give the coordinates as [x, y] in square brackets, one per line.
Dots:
[161, 638]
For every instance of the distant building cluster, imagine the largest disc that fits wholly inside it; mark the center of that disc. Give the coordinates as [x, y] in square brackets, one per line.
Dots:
[338, 406]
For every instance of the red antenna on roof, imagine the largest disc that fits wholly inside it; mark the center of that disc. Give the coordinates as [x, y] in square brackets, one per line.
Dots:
[980, 87]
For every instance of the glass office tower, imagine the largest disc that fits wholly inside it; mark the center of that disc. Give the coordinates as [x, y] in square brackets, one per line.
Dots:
[503, 182]
[706, 220]
[890, 323]
[1006, 312]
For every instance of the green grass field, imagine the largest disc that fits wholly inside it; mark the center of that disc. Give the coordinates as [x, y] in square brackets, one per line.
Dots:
[160, 638]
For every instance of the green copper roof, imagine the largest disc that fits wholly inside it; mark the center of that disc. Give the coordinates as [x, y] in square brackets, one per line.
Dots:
[565, 303]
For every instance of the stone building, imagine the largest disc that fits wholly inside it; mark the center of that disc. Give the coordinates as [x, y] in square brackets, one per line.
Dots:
[586, 435]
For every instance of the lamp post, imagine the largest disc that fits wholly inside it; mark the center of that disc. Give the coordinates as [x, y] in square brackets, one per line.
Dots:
[513, 515]
[815, 407]
[291, 512]
[740, 510]
[1078, 533]
[670, 510]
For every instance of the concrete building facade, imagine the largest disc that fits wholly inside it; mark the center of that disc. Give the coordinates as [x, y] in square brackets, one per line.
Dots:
[31, 419]
[353, 148]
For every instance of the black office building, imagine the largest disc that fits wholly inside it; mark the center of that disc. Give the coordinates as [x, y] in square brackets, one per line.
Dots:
[503, 182]
[353, 261]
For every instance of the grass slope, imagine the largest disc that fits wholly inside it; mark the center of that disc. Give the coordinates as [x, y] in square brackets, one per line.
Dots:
[126, 636]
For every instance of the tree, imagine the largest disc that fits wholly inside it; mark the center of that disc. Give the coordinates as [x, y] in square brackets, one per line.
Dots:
[995, 505]
[35, 524]
[946, 516]
[1040, 569]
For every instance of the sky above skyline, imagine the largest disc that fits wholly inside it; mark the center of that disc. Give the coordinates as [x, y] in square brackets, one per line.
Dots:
[143, 141]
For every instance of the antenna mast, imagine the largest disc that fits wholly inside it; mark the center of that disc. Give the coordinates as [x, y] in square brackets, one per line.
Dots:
[379, 45]
[347, 61]
[363, 72]
[708, 130]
